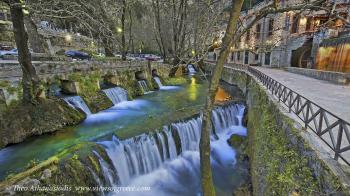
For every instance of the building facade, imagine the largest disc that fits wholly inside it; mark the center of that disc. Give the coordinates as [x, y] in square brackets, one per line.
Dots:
[291, 39]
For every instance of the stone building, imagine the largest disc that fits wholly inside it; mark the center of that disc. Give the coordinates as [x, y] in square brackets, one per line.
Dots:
[286, 39]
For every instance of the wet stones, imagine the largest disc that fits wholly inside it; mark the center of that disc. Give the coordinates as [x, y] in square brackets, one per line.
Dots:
[70, 87]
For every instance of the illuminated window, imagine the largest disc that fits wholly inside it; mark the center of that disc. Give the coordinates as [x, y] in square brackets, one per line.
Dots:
[309, 24]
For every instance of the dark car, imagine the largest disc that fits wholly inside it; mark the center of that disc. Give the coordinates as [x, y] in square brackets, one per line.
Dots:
[75, 54]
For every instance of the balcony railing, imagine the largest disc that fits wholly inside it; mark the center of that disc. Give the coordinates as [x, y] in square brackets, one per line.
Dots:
[330, 128]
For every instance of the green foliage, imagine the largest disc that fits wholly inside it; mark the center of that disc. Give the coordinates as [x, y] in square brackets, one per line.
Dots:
[32, 164]
[88, 83]
[176, 81]
[60, 52]
[280, 165]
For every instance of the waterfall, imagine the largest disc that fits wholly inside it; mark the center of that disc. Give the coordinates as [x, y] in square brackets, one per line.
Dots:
[145, 158]
[144, 86]
[162, 87]
[77, 102]
[116, 95]
[157, 79]
[191, 69]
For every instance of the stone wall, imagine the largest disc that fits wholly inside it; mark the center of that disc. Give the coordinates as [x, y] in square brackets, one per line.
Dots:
[50, 69]
[334, 77]
[284, 158]
[118, 73]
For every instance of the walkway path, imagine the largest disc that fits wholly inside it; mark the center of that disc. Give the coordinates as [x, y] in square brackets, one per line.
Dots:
[332, 97]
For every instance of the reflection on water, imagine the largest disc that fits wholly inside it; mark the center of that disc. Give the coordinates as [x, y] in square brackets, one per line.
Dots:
[156, 108]
[192, 90]
[222, 95]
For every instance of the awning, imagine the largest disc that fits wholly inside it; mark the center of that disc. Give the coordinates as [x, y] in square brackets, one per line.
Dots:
[335, 41]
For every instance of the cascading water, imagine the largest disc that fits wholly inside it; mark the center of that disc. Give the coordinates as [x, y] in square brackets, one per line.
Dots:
[77, 102]
[191, 69]
[144, 86]
[116, 94]
[162, 87]
[157, 79]
[154, 160]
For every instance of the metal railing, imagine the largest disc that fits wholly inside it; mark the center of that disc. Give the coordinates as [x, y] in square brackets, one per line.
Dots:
[331, 129]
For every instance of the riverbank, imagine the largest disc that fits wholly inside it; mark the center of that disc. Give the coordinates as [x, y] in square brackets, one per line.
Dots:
[23, 121]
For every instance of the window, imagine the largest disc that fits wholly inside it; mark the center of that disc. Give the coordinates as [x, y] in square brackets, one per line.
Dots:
[271, 27]
[309, 24]
[287, 23]
[256, 56]
[246, 57]
[247, 36]
[238, 56]
[267, 58]
[295, 24]
[2, 16]
[258, 29]
[232, 56]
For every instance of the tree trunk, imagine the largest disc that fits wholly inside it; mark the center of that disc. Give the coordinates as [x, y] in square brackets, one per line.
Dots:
[37, 44]
[158, 22]
[123, 31]
[108, 50]
[207, 180]
[30, 80]
[131, 36]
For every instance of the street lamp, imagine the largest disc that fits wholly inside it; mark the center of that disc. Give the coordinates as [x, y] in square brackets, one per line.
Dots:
[68, 38]
[119, 30]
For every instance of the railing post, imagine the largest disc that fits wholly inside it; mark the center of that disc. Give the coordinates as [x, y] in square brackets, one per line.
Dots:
[319, 130]
[290, 101]
[340, 136]
[307, 113]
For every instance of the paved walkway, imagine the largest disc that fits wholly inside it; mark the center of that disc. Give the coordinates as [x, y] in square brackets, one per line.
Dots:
[332, 97]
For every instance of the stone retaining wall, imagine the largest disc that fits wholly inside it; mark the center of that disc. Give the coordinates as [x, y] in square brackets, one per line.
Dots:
[284, 158]
[334, 77]
[50, 69]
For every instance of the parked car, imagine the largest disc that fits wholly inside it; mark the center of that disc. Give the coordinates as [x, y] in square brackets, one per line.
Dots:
[75, 54]
[130, 58]
[152, 57]
[5, 47]
[13, 52]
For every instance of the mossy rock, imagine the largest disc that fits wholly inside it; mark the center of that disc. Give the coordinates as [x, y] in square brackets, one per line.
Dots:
[47, 116]
[78, 166]
[98, 102]
[236, 141]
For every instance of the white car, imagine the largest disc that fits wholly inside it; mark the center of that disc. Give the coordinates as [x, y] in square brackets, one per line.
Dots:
[13, 52]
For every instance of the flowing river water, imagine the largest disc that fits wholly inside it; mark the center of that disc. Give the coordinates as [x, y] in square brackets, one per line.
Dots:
[170, 171]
